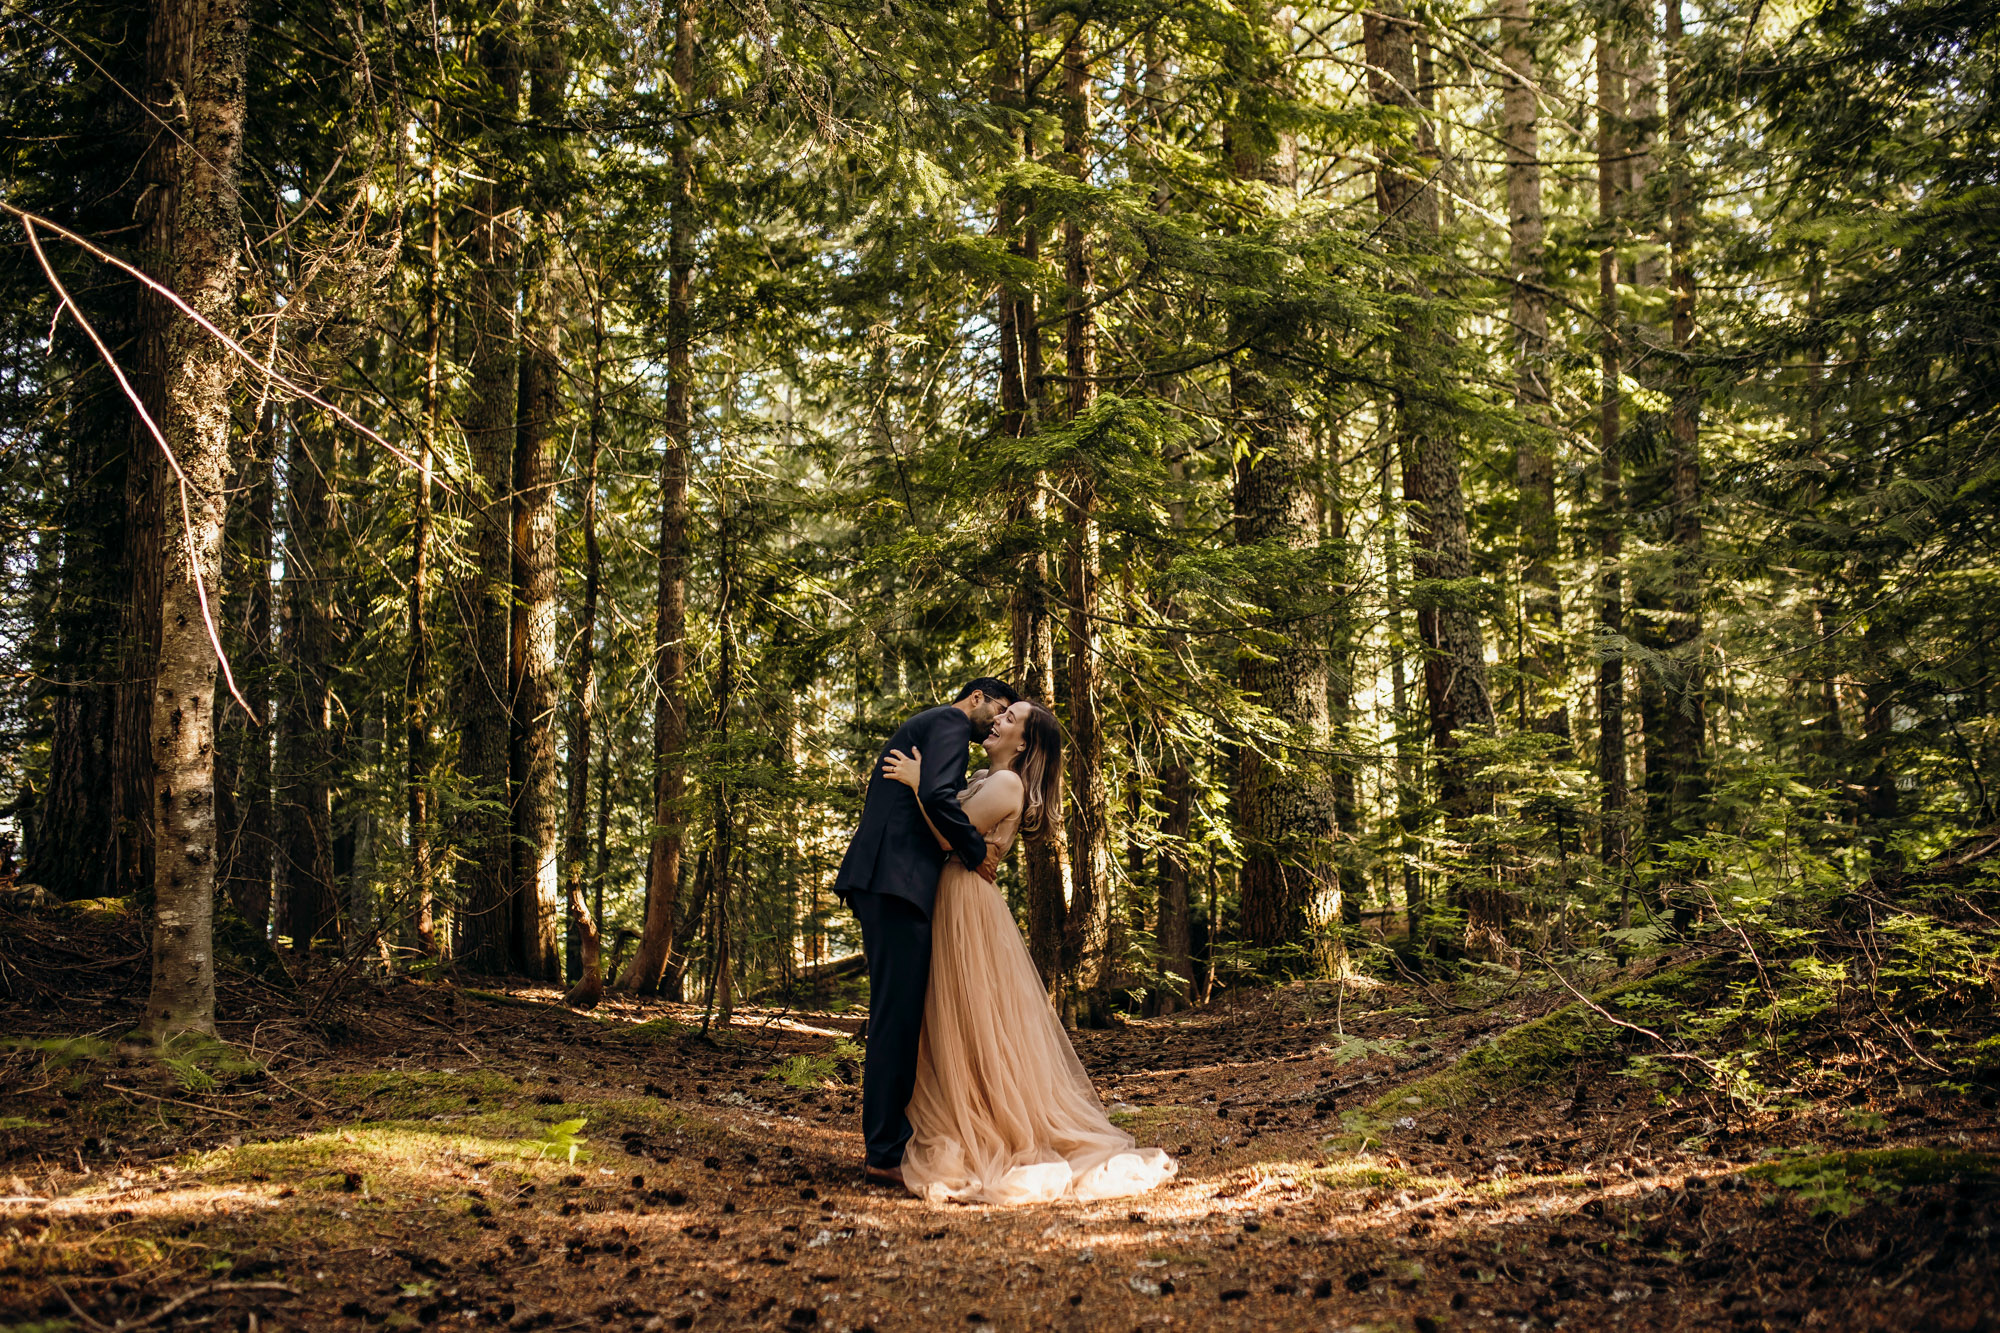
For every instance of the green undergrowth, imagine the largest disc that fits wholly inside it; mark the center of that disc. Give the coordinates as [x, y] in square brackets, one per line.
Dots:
[1839, 1183]
[202, 1064]
[653, 1030]
[813, 1071]
[198, 1063]
[1535, 1054]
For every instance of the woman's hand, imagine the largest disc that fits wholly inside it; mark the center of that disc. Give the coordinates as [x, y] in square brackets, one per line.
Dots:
[907, 769]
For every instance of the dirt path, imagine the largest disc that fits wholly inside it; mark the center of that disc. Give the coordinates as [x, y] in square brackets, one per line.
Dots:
[426, 1169]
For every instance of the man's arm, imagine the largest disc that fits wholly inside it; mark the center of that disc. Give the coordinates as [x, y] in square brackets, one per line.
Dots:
[937, 789]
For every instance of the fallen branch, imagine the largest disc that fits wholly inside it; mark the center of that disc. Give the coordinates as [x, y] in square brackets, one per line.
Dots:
[1615, 1021]
[192, 1106]
[213, 1288]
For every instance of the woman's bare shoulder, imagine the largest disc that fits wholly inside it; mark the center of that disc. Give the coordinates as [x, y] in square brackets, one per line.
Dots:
[1005, 779]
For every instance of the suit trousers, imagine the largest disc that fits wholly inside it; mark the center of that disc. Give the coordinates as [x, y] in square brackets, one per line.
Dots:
[896, 939]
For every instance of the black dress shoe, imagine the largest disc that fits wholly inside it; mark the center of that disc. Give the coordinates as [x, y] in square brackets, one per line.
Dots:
[885, 1175]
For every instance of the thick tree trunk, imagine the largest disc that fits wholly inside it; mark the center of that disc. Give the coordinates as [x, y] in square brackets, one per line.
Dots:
[485, 600]
[1455, 660]
[204, 45]
[1283, 801]
[1044, 859]
[653, 961]
[1087, 959]
[537, 813]
[1455, 688]
[305, 741]
[162, 177]
[1542, 666]
[585, 936]
[1611, 761]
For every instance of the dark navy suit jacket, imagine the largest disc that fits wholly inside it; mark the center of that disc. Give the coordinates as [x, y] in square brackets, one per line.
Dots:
[893, 852]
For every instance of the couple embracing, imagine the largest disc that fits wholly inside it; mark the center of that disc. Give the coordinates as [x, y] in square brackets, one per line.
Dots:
[971, 1091]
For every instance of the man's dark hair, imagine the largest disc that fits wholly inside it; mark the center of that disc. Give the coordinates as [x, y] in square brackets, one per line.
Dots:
[991, 688]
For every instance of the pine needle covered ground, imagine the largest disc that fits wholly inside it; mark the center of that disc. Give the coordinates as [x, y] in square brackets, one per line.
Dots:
[1417, 1154]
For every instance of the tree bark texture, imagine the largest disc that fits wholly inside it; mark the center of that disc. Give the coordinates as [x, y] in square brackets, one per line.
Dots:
[1686, 738]
[1031, 613]
[652, 963]
[1289, 888]
[1541, 660]
[1455, 660]
[485, 599]
[204, 44]
[1086, 935]
[588, 974]
[536, 945]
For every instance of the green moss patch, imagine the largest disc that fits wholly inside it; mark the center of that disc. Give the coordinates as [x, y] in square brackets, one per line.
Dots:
[1533, 1055]
[396, 1094]
[1838, 1183]
[495, 997]
[653, 1030]
[389, 1159]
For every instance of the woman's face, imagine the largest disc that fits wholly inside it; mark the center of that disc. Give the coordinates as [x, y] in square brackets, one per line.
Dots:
[1005, 738]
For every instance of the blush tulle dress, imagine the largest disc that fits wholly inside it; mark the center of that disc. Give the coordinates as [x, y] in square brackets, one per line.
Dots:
[1003, 1112]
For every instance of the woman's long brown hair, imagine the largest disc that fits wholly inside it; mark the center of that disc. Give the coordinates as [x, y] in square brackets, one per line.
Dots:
[1039, 764]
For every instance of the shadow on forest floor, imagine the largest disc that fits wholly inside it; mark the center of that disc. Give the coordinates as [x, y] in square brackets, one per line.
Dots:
[426, 1155]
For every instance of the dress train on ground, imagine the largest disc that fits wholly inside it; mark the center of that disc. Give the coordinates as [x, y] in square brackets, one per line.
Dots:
[1003, 1112]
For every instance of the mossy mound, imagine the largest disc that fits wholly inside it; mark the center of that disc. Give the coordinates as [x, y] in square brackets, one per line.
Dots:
[1533, 1055]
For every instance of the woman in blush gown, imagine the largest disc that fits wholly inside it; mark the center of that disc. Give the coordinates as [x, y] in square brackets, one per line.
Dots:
[1003, 1112]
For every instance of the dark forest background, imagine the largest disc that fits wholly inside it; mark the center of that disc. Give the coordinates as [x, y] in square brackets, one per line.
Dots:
[1489, 484]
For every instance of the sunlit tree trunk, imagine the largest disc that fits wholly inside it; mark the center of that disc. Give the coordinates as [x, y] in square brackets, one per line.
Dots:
[652, 963]
[203, 45]
[537, 813]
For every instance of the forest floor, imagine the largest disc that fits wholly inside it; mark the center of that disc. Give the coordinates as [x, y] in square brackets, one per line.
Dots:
[1387, 1156]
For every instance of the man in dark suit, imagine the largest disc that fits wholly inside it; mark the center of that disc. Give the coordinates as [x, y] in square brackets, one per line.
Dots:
[889, 878]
